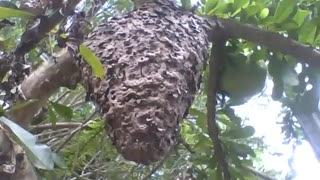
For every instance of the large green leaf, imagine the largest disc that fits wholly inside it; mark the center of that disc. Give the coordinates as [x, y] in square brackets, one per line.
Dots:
[52, 116]
[9, 13]
[64, 111]
[92, 60]
[242, 150]
[300, 16]
[201, 118]
[307, 33]
[238, 5]
[284, 9]
[40, 155]
[210, 5]
[252, 10]
[240, 132]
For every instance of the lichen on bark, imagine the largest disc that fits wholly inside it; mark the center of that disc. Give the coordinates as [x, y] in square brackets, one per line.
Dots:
[153, 59]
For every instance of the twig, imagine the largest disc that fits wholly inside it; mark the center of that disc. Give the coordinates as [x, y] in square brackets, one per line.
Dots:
[67, 139]
[159, 164]
[90, 161]
[59, 125]
[214, 71]
[51, 132]
[80, 177]
[271, 40]
[48, 140]
[185, 144]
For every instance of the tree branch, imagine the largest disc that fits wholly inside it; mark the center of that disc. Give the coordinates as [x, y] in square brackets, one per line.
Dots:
[213, 83]
[271, 40]
[31, 37]
[42, 83]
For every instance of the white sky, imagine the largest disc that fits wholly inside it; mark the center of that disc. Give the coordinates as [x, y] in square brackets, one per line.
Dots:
[263, 113]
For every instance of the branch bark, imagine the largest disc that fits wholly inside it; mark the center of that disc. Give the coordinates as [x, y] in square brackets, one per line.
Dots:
[32, 37]
[271, 40]
[213, 83]
[42, 83]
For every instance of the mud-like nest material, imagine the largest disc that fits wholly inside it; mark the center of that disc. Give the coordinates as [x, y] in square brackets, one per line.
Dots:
[153, 59]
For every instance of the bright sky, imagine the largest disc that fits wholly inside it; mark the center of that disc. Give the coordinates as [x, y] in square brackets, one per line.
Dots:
[263, 113]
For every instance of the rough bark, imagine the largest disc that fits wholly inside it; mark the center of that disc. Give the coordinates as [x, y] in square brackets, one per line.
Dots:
[40, 85]
[153, 59]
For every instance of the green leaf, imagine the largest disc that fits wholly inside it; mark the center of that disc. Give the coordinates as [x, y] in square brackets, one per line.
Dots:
[241, 150]
[201, 118]
[52, 116]
[9, 13]
[59, 161]
[300, 16]
[203, 144]
[186, 4]
[238, 5]
[224, 119]
[284, 9]
[308, 31]
[252, 10]
[62, 110]
[40, 155]
[219, 9]
[210, 5]
[240, 132]
[92, 60]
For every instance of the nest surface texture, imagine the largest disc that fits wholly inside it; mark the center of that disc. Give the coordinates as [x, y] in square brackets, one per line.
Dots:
[153, 59]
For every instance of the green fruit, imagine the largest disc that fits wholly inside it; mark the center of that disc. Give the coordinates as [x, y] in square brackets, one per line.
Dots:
[243, 78]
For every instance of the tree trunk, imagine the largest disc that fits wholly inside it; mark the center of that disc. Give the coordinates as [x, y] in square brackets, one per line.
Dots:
[153, 59]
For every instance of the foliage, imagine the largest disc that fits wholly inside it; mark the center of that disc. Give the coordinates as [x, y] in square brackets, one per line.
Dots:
[89, 153]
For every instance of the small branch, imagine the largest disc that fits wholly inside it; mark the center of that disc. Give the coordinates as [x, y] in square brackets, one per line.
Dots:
[214, 71]
[83, 125]
[59, 125]
[158, 166]
[271, 40]
[185, 144]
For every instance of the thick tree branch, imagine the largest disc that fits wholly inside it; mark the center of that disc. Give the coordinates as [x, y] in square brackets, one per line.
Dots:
[31, 37]
[213, 83]
[42, 83]
[271, 40]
